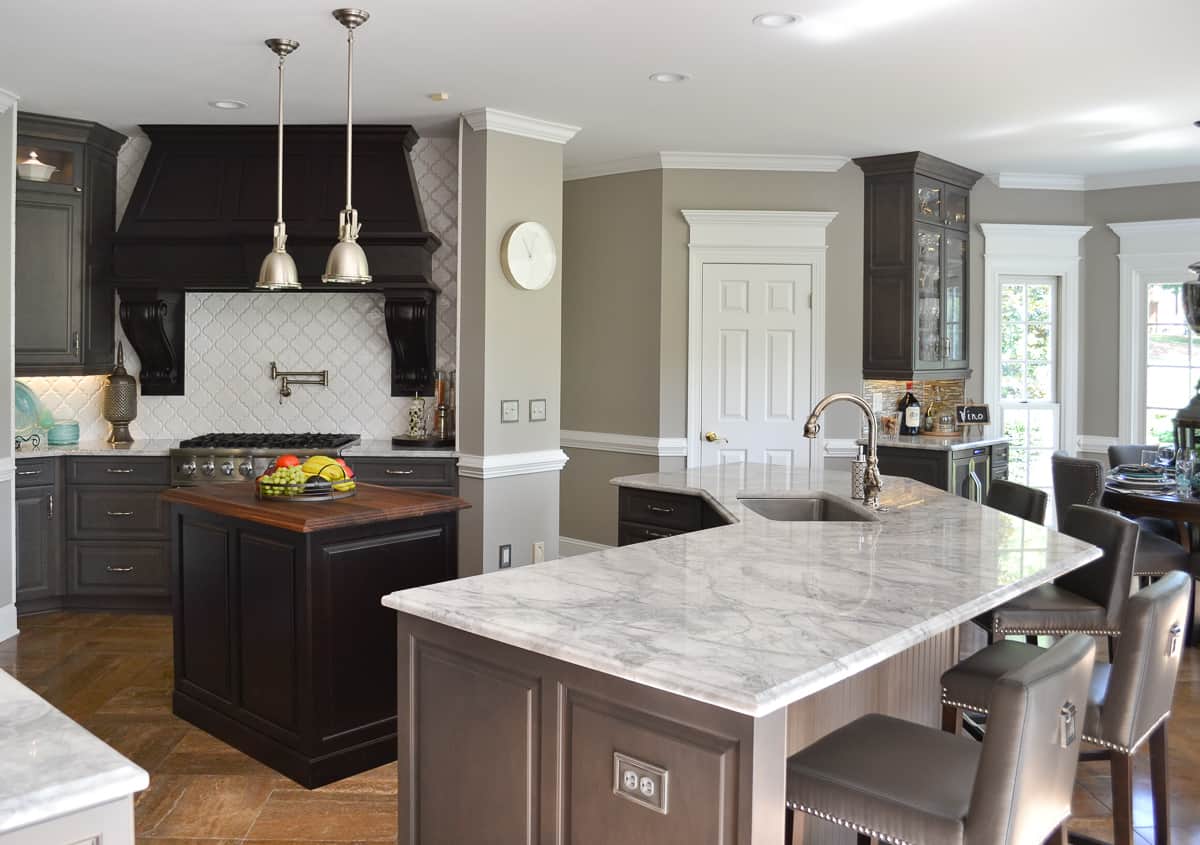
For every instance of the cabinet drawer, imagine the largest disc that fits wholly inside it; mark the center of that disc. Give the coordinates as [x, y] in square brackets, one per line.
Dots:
[119, 471]
[415, 472]
[33, 471]
[127, 568]
[98, 513]
[1000, 454]
[630, 532]
[665, 510]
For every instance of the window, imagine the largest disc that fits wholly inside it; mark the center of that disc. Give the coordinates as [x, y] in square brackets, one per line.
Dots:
[1028, 376]
[1172, 360]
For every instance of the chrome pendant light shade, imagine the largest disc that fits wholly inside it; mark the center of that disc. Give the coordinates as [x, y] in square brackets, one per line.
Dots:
[278, 270]
[347, 264]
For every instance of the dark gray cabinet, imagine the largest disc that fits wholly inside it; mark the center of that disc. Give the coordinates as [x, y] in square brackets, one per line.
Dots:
[966, 472]
[916, 261]
[39, 534]
[429, 475]
[64, 235]
[652, 515]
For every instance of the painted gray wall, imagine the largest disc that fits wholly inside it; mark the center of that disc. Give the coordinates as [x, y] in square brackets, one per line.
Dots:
[510, 346]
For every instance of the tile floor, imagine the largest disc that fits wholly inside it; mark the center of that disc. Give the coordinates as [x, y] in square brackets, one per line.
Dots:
[112, 674]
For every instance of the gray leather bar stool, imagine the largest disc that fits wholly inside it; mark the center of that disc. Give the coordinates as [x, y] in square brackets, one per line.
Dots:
[1088, 600]
[1129, 700]
[1132, 454]
[1080, 481]
[900, 782]
[1018, 500]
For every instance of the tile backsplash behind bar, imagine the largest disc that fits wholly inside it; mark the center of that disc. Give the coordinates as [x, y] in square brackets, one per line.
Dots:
[949, 390]
[233, 337]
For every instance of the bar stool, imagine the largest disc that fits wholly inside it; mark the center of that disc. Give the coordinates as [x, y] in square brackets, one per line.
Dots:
[901, 782]
[1018, 500]
[1088, 600]
[1128, 703]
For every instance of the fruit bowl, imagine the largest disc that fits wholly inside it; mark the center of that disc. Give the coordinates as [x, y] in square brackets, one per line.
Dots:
[317, 479]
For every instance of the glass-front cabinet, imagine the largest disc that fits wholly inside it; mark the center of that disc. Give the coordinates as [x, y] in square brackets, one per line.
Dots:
[916, 267]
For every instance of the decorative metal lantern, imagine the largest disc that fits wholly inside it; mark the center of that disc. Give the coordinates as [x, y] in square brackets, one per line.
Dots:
[119, 400]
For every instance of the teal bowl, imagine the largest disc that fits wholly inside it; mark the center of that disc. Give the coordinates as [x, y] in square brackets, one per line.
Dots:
[65, 433]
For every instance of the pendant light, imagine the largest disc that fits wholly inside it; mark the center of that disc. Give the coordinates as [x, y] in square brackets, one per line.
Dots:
[347, 264]
[278, 270]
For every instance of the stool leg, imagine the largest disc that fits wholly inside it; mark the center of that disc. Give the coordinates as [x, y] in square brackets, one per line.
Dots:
[1122, 797]
[950, 718]
[1158, 785]
[864, 839]
[1112, 649]
[789, 825]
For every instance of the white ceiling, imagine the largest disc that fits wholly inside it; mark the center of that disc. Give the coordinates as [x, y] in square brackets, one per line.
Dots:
[1087, 87]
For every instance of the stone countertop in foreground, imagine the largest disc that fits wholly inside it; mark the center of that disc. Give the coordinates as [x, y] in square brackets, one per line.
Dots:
[50, 766]
[755, 615]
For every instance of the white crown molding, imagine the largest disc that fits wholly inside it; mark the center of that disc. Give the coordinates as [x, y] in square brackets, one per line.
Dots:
[495, 120]
[1041, 181]
[569, 547]
[1025, 240]
[674, 160]
[1094, 443]
[626, 444]
[7, 100]
[841, 448]
[513, 463]
[1158, 237]
[1143, 178]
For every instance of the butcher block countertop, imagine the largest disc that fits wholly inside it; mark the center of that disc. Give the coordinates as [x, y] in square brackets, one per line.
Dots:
[371, 504]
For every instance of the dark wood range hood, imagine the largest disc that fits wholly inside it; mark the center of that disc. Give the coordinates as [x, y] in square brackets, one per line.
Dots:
[200, 219]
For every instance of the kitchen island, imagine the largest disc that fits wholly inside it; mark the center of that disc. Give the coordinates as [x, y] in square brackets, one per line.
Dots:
[281, 647]
[696, 663]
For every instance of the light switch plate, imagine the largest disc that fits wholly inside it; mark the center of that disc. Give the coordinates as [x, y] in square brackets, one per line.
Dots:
[510, 410]
[506, 556]
[537, 410]
[639, 782]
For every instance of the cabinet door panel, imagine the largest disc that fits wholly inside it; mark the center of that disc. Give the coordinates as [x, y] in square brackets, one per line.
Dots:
[49, 279]
[955, 207]
[36, 544]
[954, 302]
[929, 196]
[929, 245]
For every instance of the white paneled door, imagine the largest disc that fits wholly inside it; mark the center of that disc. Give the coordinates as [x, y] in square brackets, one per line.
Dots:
[756, 336]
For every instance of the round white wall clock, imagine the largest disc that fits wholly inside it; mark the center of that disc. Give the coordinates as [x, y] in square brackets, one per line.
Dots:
[528, 255]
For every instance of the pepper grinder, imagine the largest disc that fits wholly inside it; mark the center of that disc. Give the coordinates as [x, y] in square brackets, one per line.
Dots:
[119, 400]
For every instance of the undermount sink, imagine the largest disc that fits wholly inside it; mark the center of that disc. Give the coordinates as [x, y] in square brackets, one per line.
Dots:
[818, 507]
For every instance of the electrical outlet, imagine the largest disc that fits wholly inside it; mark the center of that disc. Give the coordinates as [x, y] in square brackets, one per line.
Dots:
[539, 551]
[877, 402]
[537, 410]
[640, 782]
[506, 556]
[510, 410]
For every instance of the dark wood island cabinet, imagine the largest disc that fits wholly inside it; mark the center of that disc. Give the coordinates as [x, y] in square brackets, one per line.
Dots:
[282, 648]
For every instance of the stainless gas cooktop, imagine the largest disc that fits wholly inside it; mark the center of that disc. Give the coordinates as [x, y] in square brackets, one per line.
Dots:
[234, 457]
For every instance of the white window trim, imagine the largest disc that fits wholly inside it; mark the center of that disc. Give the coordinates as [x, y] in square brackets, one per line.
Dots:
[1013, 249]
[1150, 250]
[754, 237]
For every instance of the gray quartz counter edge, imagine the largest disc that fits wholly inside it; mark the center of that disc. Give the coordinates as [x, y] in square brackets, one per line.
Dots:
[50, 766]
[935, 444]
[162, 448]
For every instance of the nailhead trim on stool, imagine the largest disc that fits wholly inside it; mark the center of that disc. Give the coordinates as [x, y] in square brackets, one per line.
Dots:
[857, 828]
[996, 629]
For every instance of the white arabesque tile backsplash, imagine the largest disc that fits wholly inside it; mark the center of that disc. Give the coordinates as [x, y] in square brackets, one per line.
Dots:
[233, 337]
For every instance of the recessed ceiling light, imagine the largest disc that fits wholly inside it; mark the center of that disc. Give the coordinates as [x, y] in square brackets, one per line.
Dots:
[228, 105]
[775, 20]
[668, 77]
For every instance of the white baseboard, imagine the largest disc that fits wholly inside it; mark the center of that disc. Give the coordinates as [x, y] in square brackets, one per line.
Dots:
[627, 444]
[1095, 443]
[8, 622]
[568, 547]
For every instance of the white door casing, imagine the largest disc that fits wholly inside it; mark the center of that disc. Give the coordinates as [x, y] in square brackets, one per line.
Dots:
[757, 342]
[757, 238]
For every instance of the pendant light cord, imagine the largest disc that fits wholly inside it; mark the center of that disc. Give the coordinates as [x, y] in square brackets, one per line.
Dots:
[349, 111]
[279, 153]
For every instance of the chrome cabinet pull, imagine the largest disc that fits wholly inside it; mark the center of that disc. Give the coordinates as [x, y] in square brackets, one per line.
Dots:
[111, 568]
[659, 509]
[75, 342]
[120, 513]
[50, 506]
[24, 472]
[118, 470]
[656, 535]
[399, 471]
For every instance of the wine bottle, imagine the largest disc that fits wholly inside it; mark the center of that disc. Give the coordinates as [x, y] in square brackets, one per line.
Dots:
[910, 413]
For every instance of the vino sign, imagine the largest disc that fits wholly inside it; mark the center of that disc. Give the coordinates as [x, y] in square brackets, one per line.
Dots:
[972, 414]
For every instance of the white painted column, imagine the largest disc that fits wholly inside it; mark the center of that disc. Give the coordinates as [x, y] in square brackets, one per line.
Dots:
[8, 569]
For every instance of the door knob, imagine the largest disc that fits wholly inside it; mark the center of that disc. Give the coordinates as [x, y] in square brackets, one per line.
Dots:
[713, 437]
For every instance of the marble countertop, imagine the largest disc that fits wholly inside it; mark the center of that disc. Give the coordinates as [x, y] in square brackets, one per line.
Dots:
[142, 448]
[50, 766]
[932, 442]
[754, 615]
[385, 449]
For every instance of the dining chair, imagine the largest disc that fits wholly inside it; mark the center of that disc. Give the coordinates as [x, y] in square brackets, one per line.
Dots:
[896, 781]
[1018, 500]
[1087, 600]
[1129, 700]
[1132, 454]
